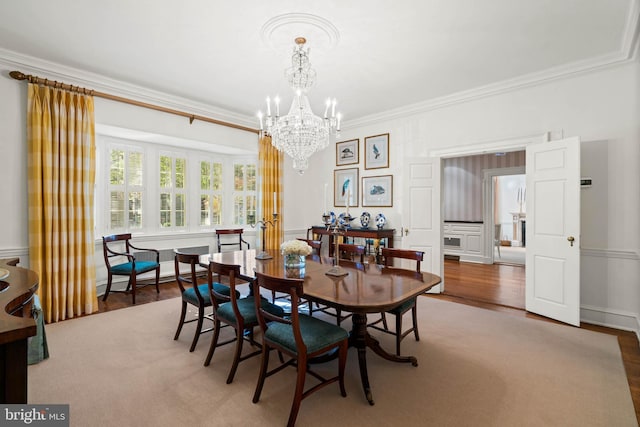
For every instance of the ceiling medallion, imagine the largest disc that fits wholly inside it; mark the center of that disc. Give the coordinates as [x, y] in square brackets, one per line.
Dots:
[278, 31]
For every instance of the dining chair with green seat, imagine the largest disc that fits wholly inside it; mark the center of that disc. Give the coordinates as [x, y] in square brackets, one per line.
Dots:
[230, 309]
[195, 293]
[298, 336]
[133, 266]
[388, 255]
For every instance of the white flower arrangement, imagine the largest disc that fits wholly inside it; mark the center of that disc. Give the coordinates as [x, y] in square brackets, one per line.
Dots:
[295, 247]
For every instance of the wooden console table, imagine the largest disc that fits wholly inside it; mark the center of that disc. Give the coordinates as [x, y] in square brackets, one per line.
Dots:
[367, 233]
[16, 326]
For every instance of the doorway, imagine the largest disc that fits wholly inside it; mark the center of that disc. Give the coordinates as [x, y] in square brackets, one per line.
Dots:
[509, 217]
[489, 189]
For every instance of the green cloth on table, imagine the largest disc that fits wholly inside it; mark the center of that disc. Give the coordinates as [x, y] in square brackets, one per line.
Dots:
[37, 345]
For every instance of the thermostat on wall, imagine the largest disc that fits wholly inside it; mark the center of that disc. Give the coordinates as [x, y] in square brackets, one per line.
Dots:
[585, 182]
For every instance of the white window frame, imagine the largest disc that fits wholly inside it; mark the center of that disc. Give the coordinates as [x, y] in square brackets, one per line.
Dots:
[244, 193]
[151, 153]
[105, 168]
[173, 191]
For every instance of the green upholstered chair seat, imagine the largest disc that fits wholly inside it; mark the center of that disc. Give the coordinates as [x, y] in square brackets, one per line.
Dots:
[316, 334]
[190, 294]
[402, 307]
[141, 267]
[247, 308]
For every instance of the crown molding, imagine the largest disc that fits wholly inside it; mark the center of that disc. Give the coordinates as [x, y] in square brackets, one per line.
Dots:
[626, 54]
[632, 31]
[55, 71]
[505, 86]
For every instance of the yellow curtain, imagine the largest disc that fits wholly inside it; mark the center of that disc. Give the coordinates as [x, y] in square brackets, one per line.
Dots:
[270, 171]
[61, 176]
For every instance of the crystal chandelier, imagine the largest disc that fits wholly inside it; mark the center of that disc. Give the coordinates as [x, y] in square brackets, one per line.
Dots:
[300, 133]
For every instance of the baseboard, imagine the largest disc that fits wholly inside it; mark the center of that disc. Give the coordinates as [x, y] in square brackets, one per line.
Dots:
[616, 319]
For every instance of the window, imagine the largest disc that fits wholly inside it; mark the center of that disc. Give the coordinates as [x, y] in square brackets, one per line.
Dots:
[173, 197]
[210, 193]
[143, 187]
[125, 189]
[244, 194]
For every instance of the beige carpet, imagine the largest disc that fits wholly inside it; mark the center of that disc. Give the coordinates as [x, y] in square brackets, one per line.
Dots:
[476, 367]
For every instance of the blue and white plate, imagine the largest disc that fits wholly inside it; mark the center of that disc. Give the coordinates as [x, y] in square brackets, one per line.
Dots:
[365, 219]
[332, 218]
[381, 220]
[342, 220]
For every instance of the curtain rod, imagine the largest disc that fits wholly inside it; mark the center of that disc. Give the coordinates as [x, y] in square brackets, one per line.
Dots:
[39, 80]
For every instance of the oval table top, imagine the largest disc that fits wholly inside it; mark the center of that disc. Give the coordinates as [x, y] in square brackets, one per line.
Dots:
[366, 288]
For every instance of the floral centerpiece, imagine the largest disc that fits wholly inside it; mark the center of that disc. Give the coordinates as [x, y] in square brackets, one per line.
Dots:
[295, 247]
[294, 252]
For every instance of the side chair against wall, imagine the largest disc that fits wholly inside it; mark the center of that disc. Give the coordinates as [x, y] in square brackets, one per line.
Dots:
[239, 313]
[234, 238]
[132, 267]
[388, 255]
[193, 293]
[299, 337]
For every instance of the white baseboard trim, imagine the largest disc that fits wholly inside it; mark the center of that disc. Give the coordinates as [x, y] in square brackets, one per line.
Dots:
[617, 319]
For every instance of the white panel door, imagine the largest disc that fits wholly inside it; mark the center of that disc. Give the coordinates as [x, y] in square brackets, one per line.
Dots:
[553, 230]
[421, 212]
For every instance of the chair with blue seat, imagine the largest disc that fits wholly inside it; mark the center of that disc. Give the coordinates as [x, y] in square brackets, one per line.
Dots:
[388, 255]
[132, 267]
[195, 293]
[298, 336]
[239, 313]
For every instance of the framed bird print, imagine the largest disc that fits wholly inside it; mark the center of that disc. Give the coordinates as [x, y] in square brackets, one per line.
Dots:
[347, 152]
[345, 187]
[376, 151]
[377, 191]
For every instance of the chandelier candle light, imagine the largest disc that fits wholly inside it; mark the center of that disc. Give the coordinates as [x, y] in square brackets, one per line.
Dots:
[300, 133]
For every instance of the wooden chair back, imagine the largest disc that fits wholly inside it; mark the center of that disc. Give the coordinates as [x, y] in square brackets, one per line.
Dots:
[221, 232]
[388, 254]
[215, 273]
[316, 245]
[187, 278]
[294, 289]
[350, 251]
[109, 252]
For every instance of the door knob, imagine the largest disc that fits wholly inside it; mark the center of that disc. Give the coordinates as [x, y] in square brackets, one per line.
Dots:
[406, 231]
[571, 239]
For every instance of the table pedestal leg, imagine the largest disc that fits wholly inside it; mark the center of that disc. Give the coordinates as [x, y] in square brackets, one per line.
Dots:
[361, 339]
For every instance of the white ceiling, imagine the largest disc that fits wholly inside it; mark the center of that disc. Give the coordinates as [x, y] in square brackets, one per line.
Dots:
[373, 56]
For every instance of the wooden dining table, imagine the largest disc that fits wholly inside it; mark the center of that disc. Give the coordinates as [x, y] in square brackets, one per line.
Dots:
[365, 289]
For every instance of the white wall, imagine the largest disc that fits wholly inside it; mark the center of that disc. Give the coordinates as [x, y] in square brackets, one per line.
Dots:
[600, 107]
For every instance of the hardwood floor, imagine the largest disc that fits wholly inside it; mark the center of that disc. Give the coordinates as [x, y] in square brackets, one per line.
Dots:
[484, 293]
[501, 284]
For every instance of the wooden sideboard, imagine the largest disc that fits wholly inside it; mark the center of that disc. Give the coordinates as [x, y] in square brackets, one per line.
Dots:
[16, 326]
[366, 233]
